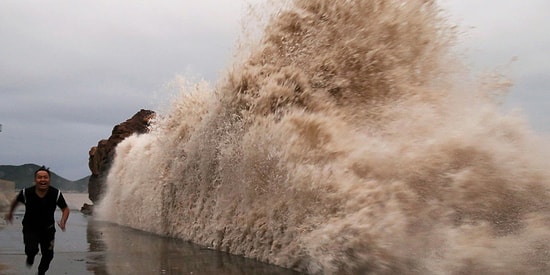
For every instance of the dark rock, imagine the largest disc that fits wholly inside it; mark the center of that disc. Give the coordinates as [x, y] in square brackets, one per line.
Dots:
[101, 156]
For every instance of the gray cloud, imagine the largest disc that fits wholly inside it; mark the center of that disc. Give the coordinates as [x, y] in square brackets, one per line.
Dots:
[71, 70]
[509, 37]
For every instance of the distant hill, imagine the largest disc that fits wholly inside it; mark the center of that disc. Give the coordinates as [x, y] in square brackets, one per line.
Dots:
[23, 176]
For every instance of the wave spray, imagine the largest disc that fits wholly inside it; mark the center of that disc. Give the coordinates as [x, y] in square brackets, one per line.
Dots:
[347, 141]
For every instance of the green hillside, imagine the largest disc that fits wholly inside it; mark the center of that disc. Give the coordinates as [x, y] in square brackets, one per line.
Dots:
[23, 176]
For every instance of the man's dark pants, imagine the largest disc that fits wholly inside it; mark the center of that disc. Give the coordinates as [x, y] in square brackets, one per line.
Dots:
[45, 238]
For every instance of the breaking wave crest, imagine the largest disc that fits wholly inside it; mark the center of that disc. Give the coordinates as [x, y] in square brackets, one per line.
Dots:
[348, 141]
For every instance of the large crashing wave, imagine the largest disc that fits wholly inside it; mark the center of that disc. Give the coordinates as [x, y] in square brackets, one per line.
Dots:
[345, 143]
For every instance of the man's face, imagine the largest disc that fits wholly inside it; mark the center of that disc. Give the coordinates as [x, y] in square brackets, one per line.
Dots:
[42, 180]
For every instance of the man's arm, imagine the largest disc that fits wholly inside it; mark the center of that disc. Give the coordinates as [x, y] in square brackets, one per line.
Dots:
[64, 218]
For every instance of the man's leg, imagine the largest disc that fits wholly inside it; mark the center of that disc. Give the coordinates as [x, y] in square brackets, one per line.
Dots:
[46, 247]
[30, 239]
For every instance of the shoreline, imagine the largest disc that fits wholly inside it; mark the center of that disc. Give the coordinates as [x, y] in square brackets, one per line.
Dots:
[89, 246]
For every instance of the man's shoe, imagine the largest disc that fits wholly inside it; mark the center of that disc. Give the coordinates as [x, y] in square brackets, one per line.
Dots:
[30, 261]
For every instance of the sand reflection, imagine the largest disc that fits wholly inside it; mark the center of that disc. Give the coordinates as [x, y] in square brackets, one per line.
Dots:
[115, 249]
[94, 247]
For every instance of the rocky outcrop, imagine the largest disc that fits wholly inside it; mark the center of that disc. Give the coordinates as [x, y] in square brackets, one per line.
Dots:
[101, 156]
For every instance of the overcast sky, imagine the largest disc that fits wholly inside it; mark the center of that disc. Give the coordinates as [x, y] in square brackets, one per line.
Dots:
[71, 69]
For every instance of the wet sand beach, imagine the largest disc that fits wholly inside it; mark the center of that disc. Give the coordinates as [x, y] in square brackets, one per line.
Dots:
[94, 247]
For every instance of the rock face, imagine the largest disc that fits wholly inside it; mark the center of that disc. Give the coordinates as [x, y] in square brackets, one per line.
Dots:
[101, 156]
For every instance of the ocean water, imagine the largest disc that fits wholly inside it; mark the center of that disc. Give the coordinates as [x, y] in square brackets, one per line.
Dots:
[348, 138]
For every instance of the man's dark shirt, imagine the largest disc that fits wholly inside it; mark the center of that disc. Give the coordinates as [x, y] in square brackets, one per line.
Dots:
[39, 212]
